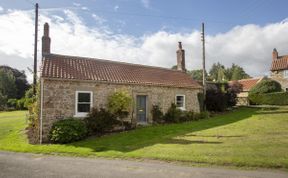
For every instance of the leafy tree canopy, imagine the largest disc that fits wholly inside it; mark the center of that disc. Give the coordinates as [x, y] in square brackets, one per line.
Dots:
[7, 84]
[20, 80]
[197, 74]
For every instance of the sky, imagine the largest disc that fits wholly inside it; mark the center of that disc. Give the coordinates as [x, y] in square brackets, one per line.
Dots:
[146, 32]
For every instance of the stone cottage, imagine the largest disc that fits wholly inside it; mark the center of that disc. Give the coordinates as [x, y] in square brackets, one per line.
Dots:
[279, 69]
[246, 84]
[71, 86]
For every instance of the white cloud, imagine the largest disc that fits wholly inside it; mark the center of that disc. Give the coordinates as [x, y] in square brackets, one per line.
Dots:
[116, 8]
[98, 19]
[146, 3]
[76, 4]
[249, 46]
[84, 8]
[1, 9]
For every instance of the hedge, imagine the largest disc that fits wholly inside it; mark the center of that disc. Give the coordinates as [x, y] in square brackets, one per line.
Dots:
[277, 98]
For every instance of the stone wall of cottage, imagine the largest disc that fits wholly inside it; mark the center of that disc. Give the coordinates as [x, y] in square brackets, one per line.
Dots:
[279, 76]
[59, 98]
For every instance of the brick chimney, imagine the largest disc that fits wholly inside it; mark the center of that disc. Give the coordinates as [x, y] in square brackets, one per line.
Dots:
[275, 54]
[46, 41]
[180, 58]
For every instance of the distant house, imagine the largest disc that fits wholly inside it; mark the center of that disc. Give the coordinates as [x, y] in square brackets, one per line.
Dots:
[71, 86]
[247, 84]
[279, 69]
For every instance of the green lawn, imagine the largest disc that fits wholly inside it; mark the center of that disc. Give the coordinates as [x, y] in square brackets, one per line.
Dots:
[248, 137]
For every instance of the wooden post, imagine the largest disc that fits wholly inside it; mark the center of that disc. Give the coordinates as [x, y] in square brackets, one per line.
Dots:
[35, 49]
[203, 65]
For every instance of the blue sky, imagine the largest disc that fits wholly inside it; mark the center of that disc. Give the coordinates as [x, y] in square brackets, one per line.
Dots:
[139, 17]
[146, 32]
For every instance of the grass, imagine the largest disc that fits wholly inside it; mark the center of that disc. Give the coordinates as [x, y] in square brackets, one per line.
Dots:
[246, 137]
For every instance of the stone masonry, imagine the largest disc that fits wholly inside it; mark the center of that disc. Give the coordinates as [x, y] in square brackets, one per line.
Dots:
[59, 98]
[279, 77]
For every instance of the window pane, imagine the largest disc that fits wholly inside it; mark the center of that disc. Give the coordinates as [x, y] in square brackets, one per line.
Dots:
[84, 97]
[179, 101]
[83, 107]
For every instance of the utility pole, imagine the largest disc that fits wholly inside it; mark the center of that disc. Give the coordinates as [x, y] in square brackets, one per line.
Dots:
[35, 49]
[203, 65]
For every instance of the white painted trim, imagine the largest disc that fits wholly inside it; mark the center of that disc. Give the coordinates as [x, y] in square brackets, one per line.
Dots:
[82, 114]
[184, 102]
[285, 74]
[41, 110]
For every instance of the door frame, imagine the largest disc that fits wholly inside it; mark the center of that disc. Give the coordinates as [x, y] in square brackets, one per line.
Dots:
[146, 109]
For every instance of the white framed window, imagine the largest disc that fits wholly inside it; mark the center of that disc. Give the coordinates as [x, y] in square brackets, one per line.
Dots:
[180, 101]
[285, 73]
[83, 103]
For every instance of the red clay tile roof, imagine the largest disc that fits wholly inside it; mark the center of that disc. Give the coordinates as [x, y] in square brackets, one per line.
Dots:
[82, 68]
[281, 63]
[247, 84]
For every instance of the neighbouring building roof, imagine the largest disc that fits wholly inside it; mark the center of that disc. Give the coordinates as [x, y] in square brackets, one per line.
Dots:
[247, 84]
[81, 68]
[280, 63]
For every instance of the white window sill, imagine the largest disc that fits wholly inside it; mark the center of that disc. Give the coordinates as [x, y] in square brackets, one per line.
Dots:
[79, 115]
[182, 109]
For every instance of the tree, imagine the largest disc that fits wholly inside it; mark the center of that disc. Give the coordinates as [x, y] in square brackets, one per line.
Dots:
[7, 84]
[217, 72]
[119, 104]
[235, 72]
[20, 80]
[3, 102]
[196, 74]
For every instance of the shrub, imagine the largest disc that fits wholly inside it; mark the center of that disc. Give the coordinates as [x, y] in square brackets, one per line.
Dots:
[119, 104]
[20, 104]
[157, 114]
[187, 116]
[68, 130]
[231, 93]
[216, 100]
[266, 86]
[33, 127]
[11, 103]
[200, 97]
[277, 98]
[100, 120]
[3, 101]
[173, 114]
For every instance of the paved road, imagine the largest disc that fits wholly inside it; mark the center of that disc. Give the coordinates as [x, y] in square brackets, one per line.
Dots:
[33, 165]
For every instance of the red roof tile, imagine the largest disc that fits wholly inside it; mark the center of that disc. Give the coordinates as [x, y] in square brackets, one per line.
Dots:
[281, 63]
[247, 84]
[82, 68]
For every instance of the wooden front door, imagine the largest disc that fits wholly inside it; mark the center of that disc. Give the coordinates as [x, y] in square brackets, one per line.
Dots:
[141, 108]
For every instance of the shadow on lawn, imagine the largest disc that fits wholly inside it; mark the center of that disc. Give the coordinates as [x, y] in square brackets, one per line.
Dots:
[165, 134]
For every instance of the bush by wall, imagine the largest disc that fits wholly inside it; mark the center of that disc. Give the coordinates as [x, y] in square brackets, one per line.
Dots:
[173, 114]
[100, 120]
[266, 86]
[276, 98]
[157, 114]
[216, 100]
[68, 130]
